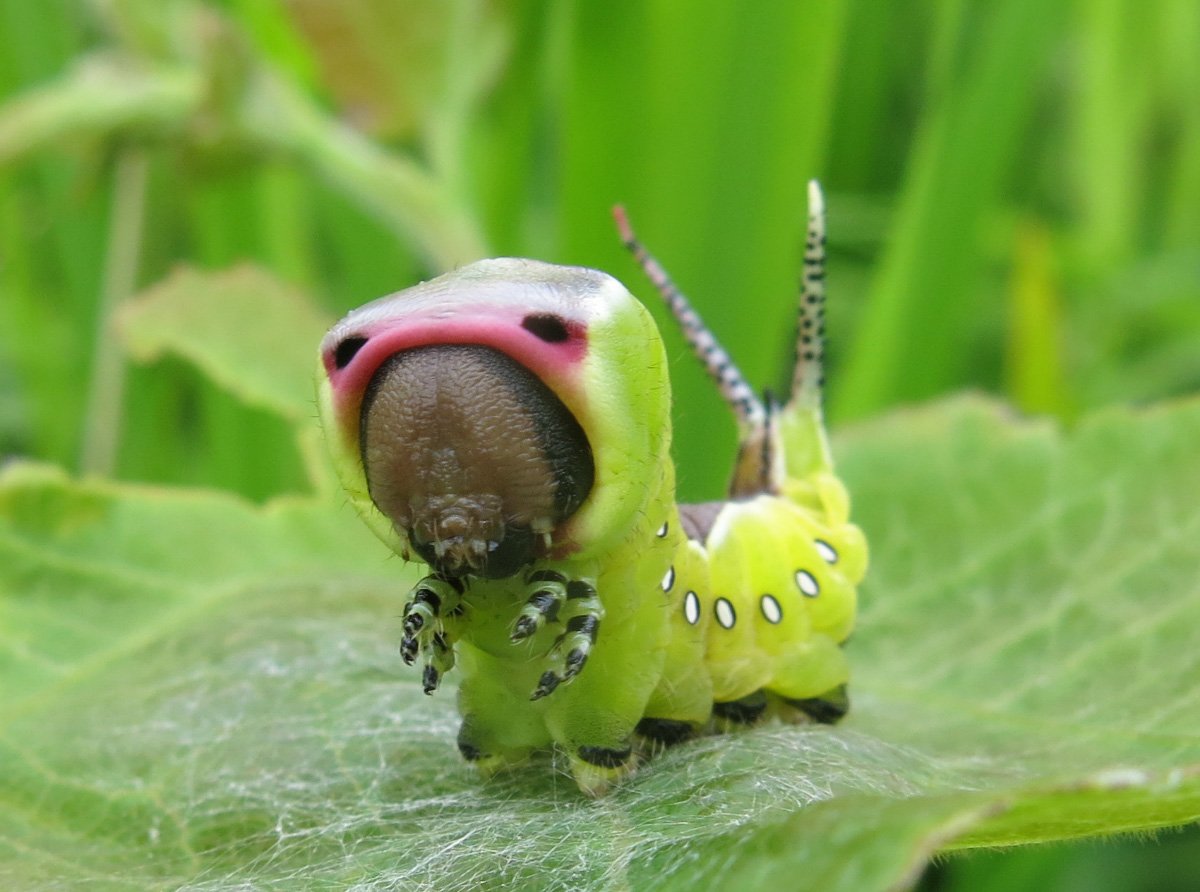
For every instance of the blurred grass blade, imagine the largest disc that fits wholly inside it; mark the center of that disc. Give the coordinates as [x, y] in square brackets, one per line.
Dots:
[1180, 35]
[106, 386]
[1036, 381]
[910, 342]
[1115, 39]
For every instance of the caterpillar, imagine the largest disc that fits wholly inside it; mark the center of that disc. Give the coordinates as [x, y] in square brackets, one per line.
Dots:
[507, 424]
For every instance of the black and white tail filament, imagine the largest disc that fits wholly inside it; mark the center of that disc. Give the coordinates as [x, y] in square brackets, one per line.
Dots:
[808, 375]
[748, 409]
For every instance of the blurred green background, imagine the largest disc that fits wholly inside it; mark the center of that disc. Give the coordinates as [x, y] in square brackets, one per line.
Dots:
[1013, 191]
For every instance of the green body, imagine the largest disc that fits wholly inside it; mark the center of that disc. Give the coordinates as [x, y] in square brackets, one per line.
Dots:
[748, 613]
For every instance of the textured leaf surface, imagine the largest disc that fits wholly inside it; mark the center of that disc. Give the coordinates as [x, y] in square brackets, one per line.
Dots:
[200, 693]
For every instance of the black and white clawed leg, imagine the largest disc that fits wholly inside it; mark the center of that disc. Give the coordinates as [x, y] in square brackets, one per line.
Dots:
[428, 628]
[569, 654]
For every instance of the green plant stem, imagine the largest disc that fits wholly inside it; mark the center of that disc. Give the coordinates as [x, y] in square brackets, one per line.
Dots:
[106, 388]
[105, 98]
[392, 186]
[97, 98]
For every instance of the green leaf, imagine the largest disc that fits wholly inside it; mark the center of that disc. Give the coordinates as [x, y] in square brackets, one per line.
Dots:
[253, 335]
[247, 330]
[202, 693]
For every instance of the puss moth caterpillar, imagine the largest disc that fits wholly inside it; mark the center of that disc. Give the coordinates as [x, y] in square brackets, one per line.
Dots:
[508, 425]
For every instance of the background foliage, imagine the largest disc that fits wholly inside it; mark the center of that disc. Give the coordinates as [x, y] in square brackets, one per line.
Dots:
[1014, 194]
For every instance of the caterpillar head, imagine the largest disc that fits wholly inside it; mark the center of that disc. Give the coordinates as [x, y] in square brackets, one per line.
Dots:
[505, 412]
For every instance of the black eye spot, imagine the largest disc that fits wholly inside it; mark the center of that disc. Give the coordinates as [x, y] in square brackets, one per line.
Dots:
[550, 329]
[346, 349]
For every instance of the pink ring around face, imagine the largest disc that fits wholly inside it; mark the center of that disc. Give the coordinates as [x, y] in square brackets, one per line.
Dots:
[556, 363]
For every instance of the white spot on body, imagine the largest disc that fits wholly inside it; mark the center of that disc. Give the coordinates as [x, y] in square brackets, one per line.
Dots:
[661, 532]
[807, 583]
[726, 615]
[827, 552]
[771, 610]
[668, 579]
[691, 608]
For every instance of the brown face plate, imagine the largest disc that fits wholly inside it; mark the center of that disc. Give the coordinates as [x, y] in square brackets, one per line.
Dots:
[472, 457]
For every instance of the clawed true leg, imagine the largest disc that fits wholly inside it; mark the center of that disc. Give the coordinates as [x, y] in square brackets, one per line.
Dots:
[543, 605]
[570, 652]
[552, 594]
[426, 630]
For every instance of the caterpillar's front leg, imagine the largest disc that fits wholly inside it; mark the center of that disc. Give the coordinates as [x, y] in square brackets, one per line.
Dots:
[429, 629]
[543, 606]
[553, 593]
